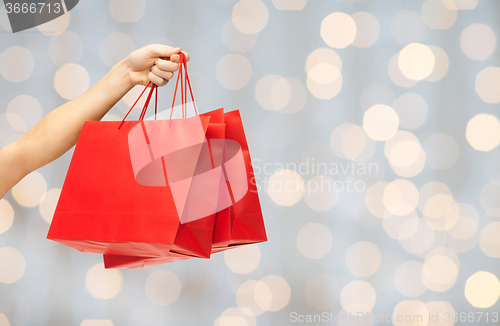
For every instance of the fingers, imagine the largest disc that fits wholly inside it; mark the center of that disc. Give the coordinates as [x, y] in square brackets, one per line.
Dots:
[163, 70]
[166, 65]
[175, 57]
[159, 50]
[159, 81]
[161, 73]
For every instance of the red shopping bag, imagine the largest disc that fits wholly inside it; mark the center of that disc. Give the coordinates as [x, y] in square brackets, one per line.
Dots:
[241, 223]
[129, 189]
[215, 131]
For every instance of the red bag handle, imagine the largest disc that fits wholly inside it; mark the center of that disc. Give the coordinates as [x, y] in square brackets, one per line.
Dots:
[183, 77]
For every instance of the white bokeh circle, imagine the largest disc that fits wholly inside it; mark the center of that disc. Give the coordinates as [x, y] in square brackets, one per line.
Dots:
[12, 265]
[16, 64]
[71, 80]
[233, 71]
[103, 283]
[338, 30]
[163, 287]
[314, 240]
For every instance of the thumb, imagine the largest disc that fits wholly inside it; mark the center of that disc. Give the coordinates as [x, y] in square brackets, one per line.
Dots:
[159, 50]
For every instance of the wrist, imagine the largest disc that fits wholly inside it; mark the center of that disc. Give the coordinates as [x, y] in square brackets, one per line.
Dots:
[119, 77]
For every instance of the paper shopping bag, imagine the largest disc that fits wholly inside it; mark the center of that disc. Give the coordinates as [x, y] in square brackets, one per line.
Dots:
[107, 205]
[199, 232]
[242, 223]
[239, 224]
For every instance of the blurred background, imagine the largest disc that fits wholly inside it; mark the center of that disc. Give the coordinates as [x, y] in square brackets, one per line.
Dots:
[374, 131]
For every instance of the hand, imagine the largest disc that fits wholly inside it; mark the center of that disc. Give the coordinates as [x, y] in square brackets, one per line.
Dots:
[151, 64]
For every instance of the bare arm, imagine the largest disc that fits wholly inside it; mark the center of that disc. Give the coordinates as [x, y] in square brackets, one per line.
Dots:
[58, 131]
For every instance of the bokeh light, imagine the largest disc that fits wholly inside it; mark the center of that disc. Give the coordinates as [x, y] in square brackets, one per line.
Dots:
[441, 64]
[338, 30]
[406, 313]
[380, 122]
[400, 227]
[488, 84]
[323, 55]
[298, 96]
[400, 197]
[235, 317]
[324, 81]
[6, 215]
[314, 240]
[416, 61]
[55, 26]
[482, 289]
[250, 16]
[127, 10]
[289, 4]
[461, 4]
[420, 240]
[465, 225]
[273, 92]
[71, 80]
[489, 240]
[439, 272]
[48, 204]
[440, 308]
[16, 64]
[320, 194]
[12, 265]
[285, 187]
[351, 142]
[254, 298]
[408, 279]
[367, 29]
[437, 15]
[30, 190]
[483, 132]
[363, 258]
[23, 112]
[478, 41]
[405, 154]
[234, 71]
[163, 287]
[242, 260]
[396, 75]
[66, 47]
[115, 47]
[358, 296]
[280, 290]
[3, 320]
[103, 283]
[237, 41]
[374, 198]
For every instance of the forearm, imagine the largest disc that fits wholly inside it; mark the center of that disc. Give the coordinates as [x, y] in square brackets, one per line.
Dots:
[58, 131]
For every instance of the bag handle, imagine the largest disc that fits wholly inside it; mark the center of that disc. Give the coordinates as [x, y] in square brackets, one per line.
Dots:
[183, 78]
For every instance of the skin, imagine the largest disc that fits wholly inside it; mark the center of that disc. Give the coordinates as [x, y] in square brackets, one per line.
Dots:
[58, 131]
